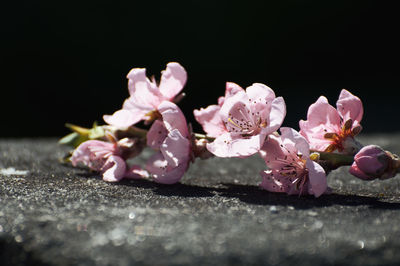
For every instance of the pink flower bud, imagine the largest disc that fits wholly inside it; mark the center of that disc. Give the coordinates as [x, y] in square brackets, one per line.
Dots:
[371, 162]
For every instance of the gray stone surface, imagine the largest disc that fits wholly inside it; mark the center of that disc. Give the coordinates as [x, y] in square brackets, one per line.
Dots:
[217, 215]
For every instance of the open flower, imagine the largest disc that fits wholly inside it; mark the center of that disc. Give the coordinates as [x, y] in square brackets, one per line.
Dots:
[242, 120]
[146, 95]
[373, 162]
[210, 118]
[171, 137]
[329, 129]
[291, 169]
[109, 158]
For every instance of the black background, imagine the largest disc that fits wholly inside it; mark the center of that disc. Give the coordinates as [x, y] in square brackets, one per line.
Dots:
[67, 62]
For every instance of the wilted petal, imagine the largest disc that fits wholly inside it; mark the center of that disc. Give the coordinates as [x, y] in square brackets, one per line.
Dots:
[349, 106]
[210, 119]
[115, 169]
[173, 80]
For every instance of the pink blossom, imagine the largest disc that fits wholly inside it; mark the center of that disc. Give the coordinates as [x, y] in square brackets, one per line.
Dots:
[329, 129]
[171, 137]
[108, 158]
[146, 95]
[291, 169]
[242, 120]
[372, 162]
[210, 118]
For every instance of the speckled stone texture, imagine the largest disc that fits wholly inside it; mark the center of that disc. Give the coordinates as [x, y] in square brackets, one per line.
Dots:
[217, 215]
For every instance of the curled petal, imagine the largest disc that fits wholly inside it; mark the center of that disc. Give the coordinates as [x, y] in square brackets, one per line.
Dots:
[276, 116]
[158, 167]
[210, 120]
[136, 172]
[173, 80]
[115, 168]
[317, 178]
[349, 106]
[229, 103]
[173, 118]
[175, 149]
[156, 135]
[231, 89]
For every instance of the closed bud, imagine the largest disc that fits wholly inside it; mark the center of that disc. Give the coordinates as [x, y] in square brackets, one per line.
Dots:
[372, 162]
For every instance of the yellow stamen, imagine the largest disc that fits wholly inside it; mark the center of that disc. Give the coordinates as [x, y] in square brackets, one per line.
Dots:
[233, 123]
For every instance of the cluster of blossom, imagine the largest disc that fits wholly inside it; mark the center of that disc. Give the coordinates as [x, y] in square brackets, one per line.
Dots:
[243, 123]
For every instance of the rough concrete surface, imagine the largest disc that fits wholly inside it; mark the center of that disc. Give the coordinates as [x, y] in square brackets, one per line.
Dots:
[58, 215]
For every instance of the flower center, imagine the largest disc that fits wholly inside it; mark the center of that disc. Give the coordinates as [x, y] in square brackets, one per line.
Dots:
[338, 139]
[294, 168]
[243, 121]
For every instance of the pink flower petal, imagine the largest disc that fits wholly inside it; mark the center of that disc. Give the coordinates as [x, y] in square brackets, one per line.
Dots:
[158, 167]
[136, 172]
[260, 92]
[276, 115]
[175, 148]
[322, 118]
[156, 134]
[211, 121]
[173, 80]
[317, 178]
[226, 146]
[93, 153]
[173, 118]
[299, 141]
[354, 170]
[349, 106]
[144, 92]
[273, 182]
[321, 112]
[231, 89]
[123, 118]
[229, 103]
[116, 167]
[271, 151]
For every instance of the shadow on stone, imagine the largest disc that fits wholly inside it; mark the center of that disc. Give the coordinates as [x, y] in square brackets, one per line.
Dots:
[254, 195]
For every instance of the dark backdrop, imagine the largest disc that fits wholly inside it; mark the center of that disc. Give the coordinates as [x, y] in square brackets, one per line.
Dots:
[66, 62]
